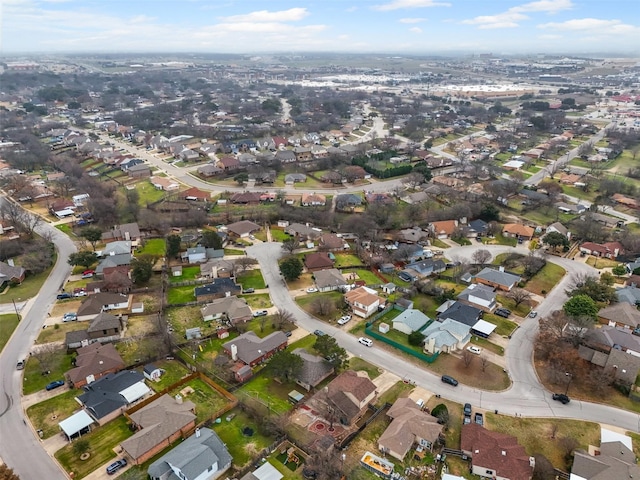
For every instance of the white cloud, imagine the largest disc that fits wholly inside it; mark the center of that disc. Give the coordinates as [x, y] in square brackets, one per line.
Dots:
[549, 6]
[512, 17]
[415, 30]
[352, 9]
[399, 4]
[593, 25]
[412, 20]
[291, 15]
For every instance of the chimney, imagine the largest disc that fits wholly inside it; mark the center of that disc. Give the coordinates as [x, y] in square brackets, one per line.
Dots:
[10, 262]
[234, 352]
[179, 399]
[197, 433]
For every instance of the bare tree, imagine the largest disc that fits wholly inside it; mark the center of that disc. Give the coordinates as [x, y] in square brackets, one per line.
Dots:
[243, 263]
[467, 358]
[519, 295]
[484, 362]
[481, 256]
[291, 244]
[282, 318]
[414, 179]
[323, 306]
[46, 355]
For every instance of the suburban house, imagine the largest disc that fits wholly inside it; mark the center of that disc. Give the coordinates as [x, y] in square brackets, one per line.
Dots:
[314, 369]
[264, 472]
[616, 351]
[102, 302]
[194, 194]
[480, 296]
[93, 362]
[614, 458]
[347, 396]
[242, 229]
[410, 320]
[217, 268]
[629, 294]
[114, 279]
[447, 336]
[164, 183]
[252, 350]
[127, 231]
[158, 425]
[107, 398]
[117, 247]
[313, 200]
[497, 278]
[479, 227]
[318, 261]
[621, 315]
[303, 232]
[141, 170]
[228, 309]
[607, 250]
[218, 288]
[103, 328]
[329, 279]
[517, 230]
[292, 178]
[11, 273]
[200, 254]
[332, 242]
[460, 312]
[557, 227]
[423, 268]
[410, 427]
[364, 301]
[202, 456]
[443, 229]
[495, 455]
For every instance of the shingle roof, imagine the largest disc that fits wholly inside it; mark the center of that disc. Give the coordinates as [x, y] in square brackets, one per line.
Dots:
[218, 285]
[621, 313]
[314, 368]
[103, 396]
[498, 277]
[346, 385]
[94, 360]
[462, 313]
[318, 260]
[251, 347]
[331, 277]
[412, 318]
[104, 321]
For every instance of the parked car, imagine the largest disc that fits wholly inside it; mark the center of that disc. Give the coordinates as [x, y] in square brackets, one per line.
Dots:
[80, 292]
[318, 333]
[20, 365]
[343, 320]
[287, 333]
[533, 314]
[55, 384]
[503, 312]
[117, 465]
[88, 274]
[367, 342]
[478, 419]
[248, 290]
[561, 397]
[69, 317]
[260, 313]
[312, 290]
[467, 409]
[449, 380]
[474, 349]
[63, 296]
[467, 420]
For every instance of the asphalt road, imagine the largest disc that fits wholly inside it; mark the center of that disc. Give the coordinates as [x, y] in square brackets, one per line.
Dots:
[526, 396]
[19, 446]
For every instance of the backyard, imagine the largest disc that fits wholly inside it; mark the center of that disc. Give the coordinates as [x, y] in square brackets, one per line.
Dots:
[188, 273]
[208, 401]
[251, 279]
[153, 246]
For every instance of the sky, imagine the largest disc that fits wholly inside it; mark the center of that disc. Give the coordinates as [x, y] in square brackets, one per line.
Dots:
[421, 27]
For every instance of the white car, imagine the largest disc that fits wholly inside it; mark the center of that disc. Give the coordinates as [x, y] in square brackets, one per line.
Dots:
[312, 290]
[260, 313]
[343, 320]
[474, 349]
[366, 341]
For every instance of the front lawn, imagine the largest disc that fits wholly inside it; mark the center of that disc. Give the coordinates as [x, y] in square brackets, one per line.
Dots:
[58, 331]
[500, 239]
[233, 251]
[436, 242]
[46, 415]
[597, 262]
[57, 362]
[521, 310]
[8, 323]
[547, 278]
[257, 301]
[102, 441]
[306, 303]
[251, 279]
[493, 378]
[504, 326]
[29, 288]
[356, 363]
[154, 246]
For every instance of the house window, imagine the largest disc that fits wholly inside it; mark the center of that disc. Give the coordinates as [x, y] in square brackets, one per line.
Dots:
[104, 332]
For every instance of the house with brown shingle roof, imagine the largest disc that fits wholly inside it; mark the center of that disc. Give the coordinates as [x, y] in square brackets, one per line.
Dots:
[245, 198]
[494, 454]
[363, 301]
[317, 261]
[410, 427]
[314, 369]
[606, 250]
[622, 315]
[313, 200]
[517, 230]
[331, 242]
[158, 425]
[443, 229]
[94, 362]
[348, 396]
[242, 229]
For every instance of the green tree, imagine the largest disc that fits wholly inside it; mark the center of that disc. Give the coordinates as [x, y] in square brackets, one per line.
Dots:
[328, 347]
[555, 240]
[581, 306]
[619, 270]
[593, 287]
[173, 245]
[490, 213]
[241, 178]
[211, 239]
[285, 365]
[83, 257]
[93, 235]
[141, 269]
[416, 338]
[291, 268]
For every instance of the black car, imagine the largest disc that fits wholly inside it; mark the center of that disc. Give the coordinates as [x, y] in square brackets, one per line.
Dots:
[561, 397]
[503, 312]
[63, 296]
[449, 380]
[115, 466]
[467, 409]
[478, 419]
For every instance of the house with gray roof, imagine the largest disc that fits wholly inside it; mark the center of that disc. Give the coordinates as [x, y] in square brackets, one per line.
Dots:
[314, 369]
[251, 350]
[409, 321]
[460, 312]
[613, 459]
[479, 296]
[447, 336]
[202, 456]
[11, 273]
[242, 228]
[218, 288]
[229, 309]
[303, 232]
[292, 178]
[423, 268]
[497, 278]
[629, 294]
[116, 260]
[329, 279]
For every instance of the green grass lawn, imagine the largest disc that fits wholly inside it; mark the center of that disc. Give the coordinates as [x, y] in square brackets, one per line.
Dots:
[147, 193]
[29, 288]
[305, 302]
[188, 273]
[356, 363]
[102, 440]
[521, 310]
[251, 279]
[278, 235]
[596, 262]
[502, 240]
[493, 378]
[272, 395]
[366, 275]
[504, 326]
[484, 343]
[58, 332]
[233, 251]
[154, 246]
[579, 193]
[240, 447]
[65, 228]
[57, 362]
[181, 294]
[47, 414]
[207, 400]
[347, 260]
[257, 300]
[8, 323]
[547, 278]
[436, 242]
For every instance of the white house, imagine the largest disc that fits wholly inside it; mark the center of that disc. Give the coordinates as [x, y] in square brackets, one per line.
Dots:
[479, 295]
[364, 301]
[410, 321]
[448, 336]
